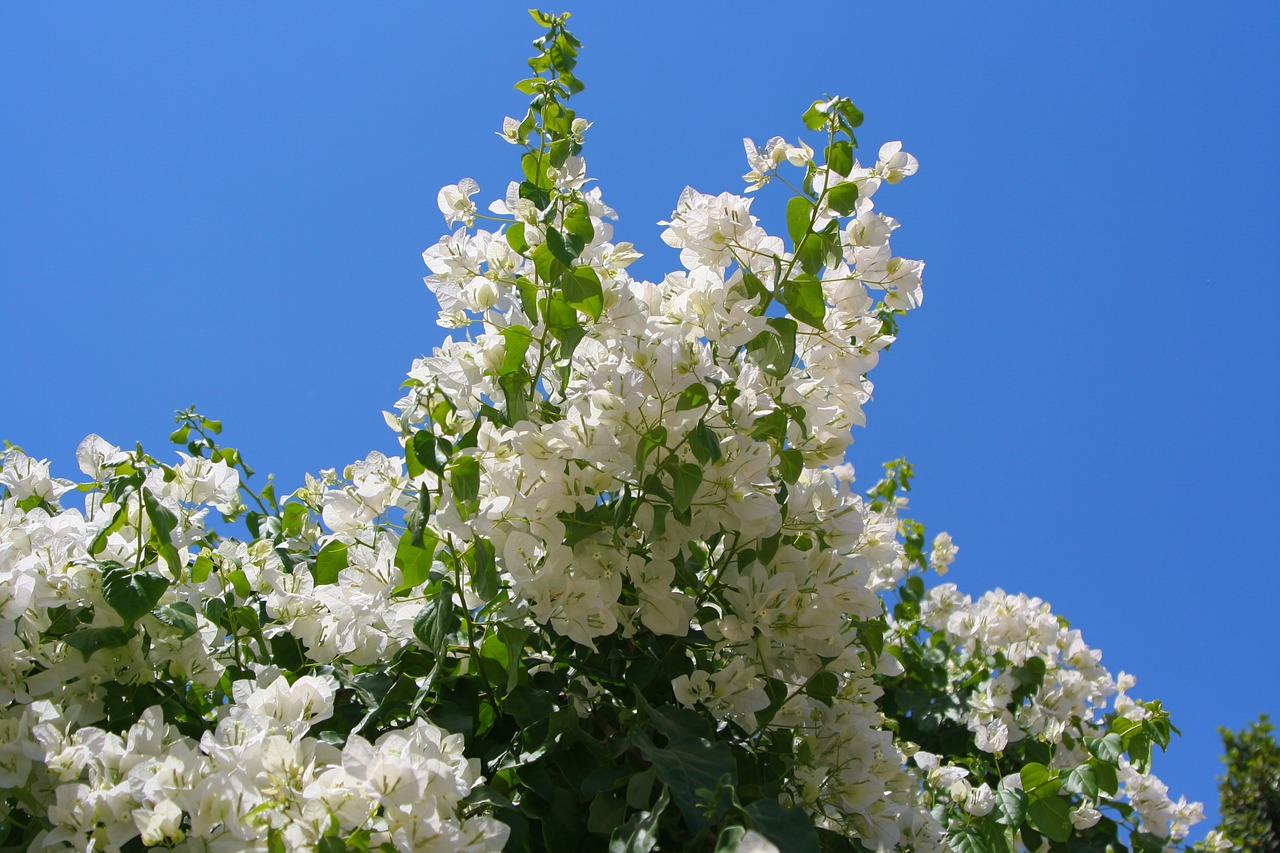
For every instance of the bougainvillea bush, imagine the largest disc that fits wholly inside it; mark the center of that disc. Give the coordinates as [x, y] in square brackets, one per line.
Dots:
[619, 592]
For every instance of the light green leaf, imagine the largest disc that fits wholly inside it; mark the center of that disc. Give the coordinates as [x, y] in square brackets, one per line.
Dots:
[464, 479]
[331, 560]
[581, 289]
[693, 397]
[179, 615]
[799, 218]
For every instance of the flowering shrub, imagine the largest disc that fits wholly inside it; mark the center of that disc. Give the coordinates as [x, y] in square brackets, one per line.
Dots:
[619, 591]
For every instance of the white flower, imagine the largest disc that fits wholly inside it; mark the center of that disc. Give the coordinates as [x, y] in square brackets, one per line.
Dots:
[455, 201]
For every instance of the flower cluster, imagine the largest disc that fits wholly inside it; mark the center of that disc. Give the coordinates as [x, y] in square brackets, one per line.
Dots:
[618, 589]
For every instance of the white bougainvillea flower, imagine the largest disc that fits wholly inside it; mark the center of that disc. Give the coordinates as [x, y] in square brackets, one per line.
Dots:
[455, 202]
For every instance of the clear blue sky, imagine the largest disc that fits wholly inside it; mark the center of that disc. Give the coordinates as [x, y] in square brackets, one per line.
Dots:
[225, 204]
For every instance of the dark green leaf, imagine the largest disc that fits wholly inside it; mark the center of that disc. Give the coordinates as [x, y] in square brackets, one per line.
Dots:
[528, 705]
[693, 769]
[561, 248]
[640, 834]
[1011, 807]
[1105, 776]
[789, 828]
[163, 522]
[90, 640]
[484, 571]
[1082, 780]
[132, 594]
[775, 350]
[705, 444]
[790, 464]
[437, 620]
[1051, 816]
[968, 840]
[685, 480]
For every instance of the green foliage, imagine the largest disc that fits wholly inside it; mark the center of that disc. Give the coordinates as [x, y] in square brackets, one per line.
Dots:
[1249, 791]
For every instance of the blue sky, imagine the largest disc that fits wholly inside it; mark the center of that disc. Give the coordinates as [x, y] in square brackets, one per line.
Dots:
[226, 205]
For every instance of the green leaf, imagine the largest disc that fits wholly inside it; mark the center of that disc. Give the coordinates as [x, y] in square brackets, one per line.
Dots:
[163, 522]
[437, 620]
[426, 452]
[1108, 748]
[799, 218]
[851, 115]
[811, 253]
[413, 561]
[331, 560]
[693, 769]
[1105, 776]
[1082, 780]
[730, 839]
[649, 442]
[577, 221]
[484, 571]
[815, 118]
[840, 157]
[605, 813]
[843, 198]
[132, 594]
[790, 464]
[581, 289]
[1051, 816]
[1038, 781]
[294, 518]
[117, 522]
[516, 341]
[1011, 807]
[640, 834]
[775, 350]
[464, 479]
[968, 839]
[516, 239]
[693, 397]
[545, 263]
[823, 686]
[789, 828]
[685, 480]
[562, 249]
[705, 444]
[331, 844]
[179, 615]
[528, 705]
[90, 640]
